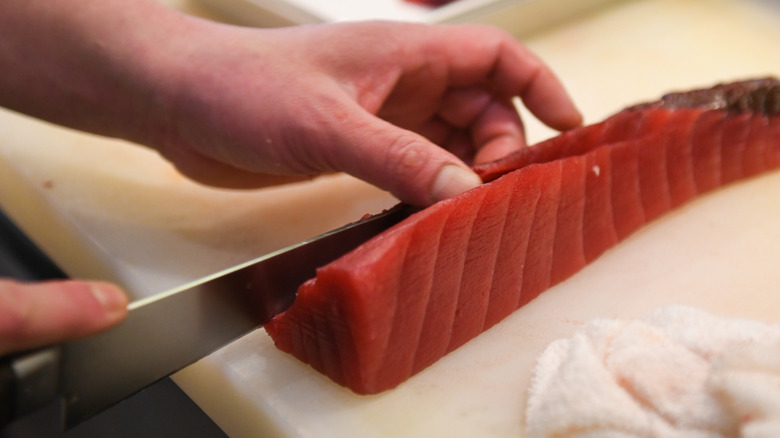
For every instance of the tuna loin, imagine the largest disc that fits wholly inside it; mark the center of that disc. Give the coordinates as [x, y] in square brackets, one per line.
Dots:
[404, 299]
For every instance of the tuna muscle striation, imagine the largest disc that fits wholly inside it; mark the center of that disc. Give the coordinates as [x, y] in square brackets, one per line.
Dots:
[404, 299]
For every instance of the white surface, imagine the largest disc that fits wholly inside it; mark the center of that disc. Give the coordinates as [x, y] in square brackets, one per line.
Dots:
[103, 208]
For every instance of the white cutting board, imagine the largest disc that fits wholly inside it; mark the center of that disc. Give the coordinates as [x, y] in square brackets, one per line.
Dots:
[104, 208]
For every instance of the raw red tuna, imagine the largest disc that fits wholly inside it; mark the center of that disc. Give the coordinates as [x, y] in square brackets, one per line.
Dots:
[399, 302]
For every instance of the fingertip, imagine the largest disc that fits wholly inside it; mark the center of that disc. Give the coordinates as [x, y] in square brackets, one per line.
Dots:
[112, 299]
[570, 117]
[452, 180]
[557, 112]
[44, 313]
[549, 101]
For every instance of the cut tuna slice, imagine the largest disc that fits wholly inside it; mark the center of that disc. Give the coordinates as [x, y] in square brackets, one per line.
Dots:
[404, 299]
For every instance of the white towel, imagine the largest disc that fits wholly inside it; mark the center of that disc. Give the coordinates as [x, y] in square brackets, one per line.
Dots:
[679, 372]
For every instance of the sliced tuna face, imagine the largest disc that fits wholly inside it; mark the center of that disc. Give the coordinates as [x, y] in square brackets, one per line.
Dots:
[404, 299]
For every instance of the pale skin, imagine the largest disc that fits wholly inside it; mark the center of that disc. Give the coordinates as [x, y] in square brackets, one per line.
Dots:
[405, 107]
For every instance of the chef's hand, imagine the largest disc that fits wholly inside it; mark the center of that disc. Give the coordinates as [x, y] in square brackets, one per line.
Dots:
[37, 314]
[403, 106]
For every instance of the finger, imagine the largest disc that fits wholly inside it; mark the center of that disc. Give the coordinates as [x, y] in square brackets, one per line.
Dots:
[546, 98]
[476, 55]
[518, 72]
[496, 127]
[461, 106]
[497, 132]
[37, 314]
[403, 162]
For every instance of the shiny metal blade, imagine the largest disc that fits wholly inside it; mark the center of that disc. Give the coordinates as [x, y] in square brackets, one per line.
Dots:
[167, 332]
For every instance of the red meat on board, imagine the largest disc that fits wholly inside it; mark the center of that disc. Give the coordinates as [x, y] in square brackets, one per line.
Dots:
[404, 299]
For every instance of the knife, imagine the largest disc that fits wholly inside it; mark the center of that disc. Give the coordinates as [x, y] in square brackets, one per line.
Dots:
[164, 333]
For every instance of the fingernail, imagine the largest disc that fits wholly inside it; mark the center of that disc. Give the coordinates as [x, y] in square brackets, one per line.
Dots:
[111, 298]
[453, 180]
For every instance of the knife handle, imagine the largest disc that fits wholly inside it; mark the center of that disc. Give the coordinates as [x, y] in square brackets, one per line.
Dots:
[7, 391]
[28, 382]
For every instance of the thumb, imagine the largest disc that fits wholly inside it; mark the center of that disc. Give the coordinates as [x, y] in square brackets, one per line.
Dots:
[37, 314]
[405, 163]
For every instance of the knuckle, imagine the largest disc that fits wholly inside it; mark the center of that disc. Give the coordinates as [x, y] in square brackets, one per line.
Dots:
[412, 166]
[406, 155]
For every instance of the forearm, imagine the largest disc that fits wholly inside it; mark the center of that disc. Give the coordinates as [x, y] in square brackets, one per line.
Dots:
[94, 65]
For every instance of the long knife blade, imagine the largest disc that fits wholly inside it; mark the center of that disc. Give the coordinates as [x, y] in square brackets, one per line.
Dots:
[165, 333]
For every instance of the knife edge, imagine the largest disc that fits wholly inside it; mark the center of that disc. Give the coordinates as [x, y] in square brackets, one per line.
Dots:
[164, 333]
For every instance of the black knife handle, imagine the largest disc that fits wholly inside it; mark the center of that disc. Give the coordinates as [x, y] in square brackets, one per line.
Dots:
[28, 382]
[7, 391]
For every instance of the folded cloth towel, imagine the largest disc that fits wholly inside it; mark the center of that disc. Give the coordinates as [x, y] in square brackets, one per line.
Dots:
[679, 372]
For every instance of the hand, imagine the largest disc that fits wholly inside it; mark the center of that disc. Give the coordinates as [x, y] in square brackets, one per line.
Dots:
[406, 107]
[38, 314]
